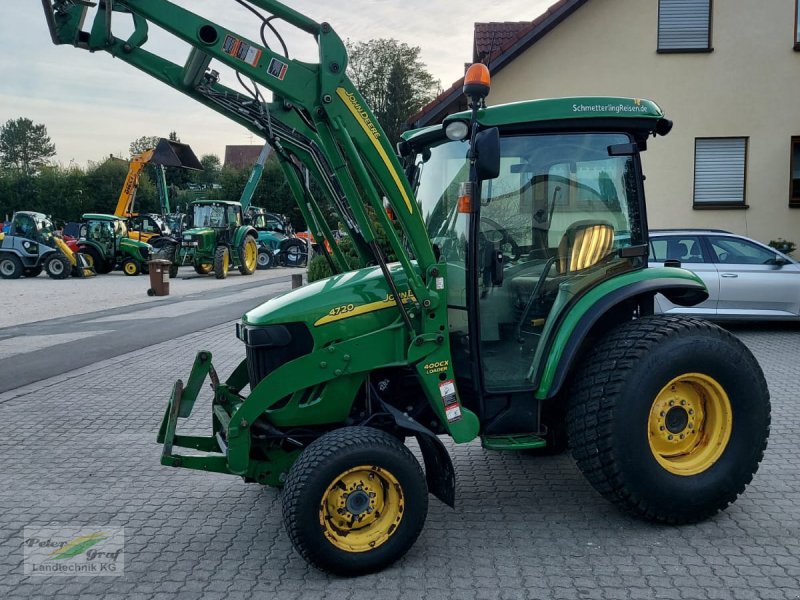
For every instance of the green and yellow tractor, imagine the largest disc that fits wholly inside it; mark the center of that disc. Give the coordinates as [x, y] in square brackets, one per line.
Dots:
[218, 239]
[520, 311]
[104, 241]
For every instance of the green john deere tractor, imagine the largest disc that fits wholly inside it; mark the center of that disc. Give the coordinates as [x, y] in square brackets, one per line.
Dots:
[104, 241]
[217, 239]
[520, 310]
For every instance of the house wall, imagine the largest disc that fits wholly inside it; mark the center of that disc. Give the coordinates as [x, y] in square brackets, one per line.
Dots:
[748, 86]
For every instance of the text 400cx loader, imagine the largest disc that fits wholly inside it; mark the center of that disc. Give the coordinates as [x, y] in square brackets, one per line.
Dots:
[520, 309]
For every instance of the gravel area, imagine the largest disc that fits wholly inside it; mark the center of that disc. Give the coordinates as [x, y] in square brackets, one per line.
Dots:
[40, 298]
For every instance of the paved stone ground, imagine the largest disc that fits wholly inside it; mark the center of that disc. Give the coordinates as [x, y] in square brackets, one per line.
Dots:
[80, 449]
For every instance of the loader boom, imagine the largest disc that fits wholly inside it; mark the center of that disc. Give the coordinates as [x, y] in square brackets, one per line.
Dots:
[317, 118]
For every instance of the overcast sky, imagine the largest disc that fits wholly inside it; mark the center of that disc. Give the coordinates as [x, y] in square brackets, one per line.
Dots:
[94, 105]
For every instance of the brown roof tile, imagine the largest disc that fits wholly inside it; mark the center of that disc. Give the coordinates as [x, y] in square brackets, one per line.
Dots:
[512, 38]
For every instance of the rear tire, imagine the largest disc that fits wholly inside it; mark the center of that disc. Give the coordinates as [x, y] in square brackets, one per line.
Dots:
[669, 418]
[295, 253]
[101, 266]
[58, 266]
[248, 255]
[221, 262]
[10, 266]
[355, 501]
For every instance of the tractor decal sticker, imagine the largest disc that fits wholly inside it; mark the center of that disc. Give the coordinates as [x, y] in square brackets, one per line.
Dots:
[242, 50]
[277, 69]
[439, 366]
[363, 119]
[452, 408]
[345, 311]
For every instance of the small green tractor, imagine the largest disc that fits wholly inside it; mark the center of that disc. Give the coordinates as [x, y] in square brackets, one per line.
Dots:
[105, 242]
[519, 312]
[32, 245]
[217, 239]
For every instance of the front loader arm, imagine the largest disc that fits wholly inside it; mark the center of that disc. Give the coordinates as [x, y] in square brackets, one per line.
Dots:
[359, 158]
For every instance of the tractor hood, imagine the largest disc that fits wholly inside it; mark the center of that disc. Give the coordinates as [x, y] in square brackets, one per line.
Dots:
[339, 307]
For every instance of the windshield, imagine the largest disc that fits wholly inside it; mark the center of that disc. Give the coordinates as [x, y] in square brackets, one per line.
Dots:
[209, 215]
[46, 229]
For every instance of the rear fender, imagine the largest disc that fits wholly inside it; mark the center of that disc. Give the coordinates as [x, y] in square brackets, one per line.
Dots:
[563, 345]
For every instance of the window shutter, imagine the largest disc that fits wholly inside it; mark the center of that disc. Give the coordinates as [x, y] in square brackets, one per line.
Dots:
[684, 25]
[719, 170]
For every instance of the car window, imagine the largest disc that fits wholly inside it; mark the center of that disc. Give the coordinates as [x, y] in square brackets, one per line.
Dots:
[685, 248]
[734, 251]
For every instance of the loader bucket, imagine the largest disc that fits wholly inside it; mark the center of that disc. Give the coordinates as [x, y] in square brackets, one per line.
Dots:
[174, 154]
[82, 267]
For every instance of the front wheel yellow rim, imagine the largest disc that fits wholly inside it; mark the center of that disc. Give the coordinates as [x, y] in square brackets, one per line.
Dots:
[361, 509]
[130, 268]
[690, 424]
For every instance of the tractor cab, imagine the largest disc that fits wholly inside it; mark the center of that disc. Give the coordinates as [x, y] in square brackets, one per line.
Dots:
[564, 214]
[34, 226]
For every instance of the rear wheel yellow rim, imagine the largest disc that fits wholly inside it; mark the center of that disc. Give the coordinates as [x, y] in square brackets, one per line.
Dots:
[89, 259]
[225, 262]
[690, 424]
[361, 509]
[250, 254]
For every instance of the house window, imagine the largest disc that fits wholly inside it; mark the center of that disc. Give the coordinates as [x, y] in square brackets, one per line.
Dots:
[720, 166]
[794, 187]
[684, 26]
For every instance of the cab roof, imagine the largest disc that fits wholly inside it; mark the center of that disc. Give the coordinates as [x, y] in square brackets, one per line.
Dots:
[560, 113]
[102, 217]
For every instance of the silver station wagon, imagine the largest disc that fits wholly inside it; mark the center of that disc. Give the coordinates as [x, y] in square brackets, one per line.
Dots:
[746, 279]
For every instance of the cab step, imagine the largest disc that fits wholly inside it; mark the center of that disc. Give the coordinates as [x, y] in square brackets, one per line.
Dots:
[513, 441]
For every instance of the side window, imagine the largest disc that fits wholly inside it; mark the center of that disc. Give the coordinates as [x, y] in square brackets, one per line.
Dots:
[732, 251]
[686, 248]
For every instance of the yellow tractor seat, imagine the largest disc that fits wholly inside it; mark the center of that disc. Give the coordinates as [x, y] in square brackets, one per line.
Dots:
[583, 245]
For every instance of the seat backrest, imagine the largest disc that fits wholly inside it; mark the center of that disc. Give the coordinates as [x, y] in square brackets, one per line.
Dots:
[676, 249]
[583, 244]
[695, 255]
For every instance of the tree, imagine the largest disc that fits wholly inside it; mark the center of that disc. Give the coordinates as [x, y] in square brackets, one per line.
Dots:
[25, 147]
[146, 142]
[392, 79]
[212, 167]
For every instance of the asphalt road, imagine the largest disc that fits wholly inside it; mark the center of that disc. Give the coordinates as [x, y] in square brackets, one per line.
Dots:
[36, 351]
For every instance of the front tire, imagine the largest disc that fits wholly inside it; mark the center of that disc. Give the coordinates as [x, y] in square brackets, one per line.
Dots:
[669, 418]
[355, 501]
[265, 259]
[130, 267]
[58, 266]
[221, 262]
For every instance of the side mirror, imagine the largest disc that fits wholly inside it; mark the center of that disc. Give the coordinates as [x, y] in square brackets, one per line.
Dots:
[487, 153]
[778, 261]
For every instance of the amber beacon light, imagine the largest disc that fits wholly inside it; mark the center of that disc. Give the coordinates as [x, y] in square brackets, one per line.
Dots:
[477, 81]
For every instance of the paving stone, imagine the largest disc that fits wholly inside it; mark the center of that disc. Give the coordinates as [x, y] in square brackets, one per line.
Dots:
[81, 450]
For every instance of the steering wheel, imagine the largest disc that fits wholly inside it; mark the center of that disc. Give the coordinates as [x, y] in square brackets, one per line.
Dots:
[499, 235]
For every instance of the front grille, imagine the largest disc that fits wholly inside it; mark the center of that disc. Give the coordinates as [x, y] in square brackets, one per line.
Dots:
[271, 346]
